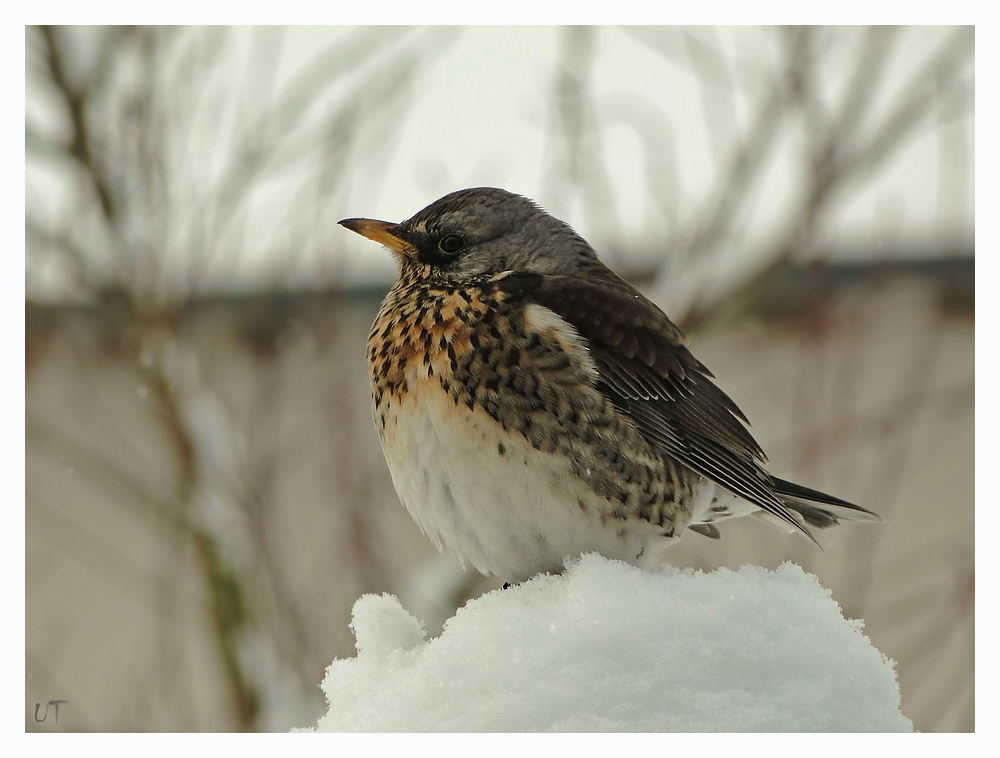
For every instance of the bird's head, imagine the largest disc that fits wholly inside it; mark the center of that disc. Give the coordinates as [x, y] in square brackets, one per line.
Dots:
[480, 231]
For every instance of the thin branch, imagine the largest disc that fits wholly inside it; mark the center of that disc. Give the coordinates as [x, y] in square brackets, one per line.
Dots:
[926, 87]
[76, 102]
[871, 66]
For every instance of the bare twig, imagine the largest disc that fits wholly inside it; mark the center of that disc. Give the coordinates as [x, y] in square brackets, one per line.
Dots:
[80, 147]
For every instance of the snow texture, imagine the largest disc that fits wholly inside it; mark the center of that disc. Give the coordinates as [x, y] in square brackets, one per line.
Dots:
[607, 647]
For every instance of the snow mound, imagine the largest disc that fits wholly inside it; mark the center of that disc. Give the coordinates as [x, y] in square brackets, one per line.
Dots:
[607, 647]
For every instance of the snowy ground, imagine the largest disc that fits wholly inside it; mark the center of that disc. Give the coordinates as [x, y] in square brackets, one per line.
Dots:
[606, 647]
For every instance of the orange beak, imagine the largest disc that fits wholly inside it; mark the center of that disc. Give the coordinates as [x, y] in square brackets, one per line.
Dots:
[380, 231]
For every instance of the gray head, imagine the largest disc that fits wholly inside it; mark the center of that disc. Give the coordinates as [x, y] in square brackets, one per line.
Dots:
[481, 231]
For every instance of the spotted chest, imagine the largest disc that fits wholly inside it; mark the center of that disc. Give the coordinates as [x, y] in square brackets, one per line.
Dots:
[498, 441]
[428, 333]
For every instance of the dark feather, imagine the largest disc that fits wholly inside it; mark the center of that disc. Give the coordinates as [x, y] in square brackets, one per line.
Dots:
[830, 509]
[648, 373]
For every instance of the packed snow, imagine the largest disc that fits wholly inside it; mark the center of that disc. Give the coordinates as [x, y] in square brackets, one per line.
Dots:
[607, 647]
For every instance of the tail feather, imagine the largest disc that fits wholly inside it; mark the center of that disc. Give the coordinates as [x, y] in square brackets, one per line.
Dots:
[819, 509]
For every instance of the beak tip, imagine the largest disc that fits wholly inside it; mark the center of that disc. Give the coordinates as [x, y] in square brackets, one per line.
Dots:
[382, 232]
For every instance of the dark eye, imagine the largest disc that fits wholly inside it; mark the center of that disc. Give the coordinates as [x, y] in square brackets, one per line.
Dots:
[451, 244]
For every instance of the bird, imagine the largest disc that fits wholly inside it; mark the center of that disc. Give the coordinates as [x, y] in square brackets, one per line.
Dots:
[533, 406]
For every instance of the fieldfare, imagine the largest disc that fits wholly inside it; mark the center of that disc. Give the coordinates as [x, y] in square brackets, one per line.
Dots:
[532, 405]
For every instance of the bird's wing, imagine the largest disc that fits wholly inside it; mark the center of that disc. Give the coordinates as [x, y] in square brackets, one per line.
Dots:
[645, 370]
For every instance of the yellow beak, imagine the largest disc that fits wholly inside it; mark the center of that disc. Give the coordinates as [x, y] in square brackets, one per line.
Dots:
[380, 231]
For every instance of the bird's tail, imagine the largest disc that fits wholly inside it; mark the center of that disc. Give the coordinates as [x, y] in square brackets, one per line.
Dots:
[817, 508]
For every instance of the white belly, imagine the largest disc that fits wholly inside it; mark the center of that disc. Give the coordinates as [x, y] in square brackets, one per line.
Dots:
[514, 514]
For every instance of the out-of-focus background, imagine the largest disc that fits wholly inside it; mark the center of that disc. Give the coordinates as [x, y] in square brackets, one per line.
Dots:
[205, 494]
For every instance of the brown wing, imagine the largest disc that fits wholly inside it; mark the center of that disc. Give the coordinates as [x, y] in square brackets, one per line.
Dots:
[647, 372]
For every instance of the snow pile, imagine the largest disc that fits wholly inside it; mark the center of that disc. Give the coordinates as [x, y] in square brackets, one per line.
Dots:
[607, 647]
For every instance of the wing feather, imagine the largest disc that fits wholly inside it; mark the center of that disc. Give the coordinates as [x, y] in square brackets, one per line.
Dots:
[646, 370]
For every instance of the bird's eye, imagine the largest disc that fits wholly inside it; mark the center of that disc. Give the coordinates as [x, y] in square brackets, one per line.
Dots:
[451, 244]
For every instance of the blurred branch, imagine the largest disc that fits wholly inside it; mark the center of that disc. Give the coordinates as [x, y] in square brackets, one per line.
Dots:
[39, 234]
[940, 73]
[223, 588]
[655, 132]
[227, 604]
[76, 101]
[836, 154]
[876, 46]
[275, 142]
[718, 92]
[577, 165]
[747, 161]
[36, 142]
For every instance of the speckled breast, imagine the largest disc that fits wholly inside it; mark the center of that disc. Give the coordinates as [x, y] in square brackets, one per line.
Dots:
[498, 441]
